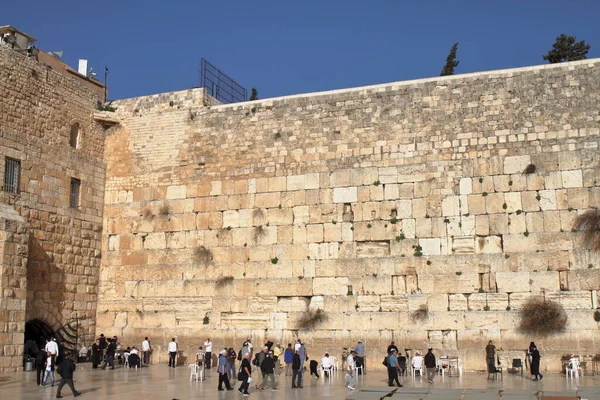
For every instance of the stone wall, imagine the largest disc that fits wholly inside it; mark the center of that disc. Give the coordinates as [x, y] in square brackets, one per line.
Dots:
[371, 203]
[14, 237]
[38, 108]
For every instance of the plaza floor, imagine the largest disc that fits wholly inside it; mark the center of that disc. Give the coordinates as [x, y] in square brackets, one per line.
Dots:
[161, 382]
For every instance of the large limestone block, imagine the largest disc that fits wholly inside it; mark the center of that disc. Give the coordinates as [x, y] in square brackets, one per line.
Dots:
[544, 281]
[516, 164]
[513, 202]
[494, 203]
[278, 287]
[509, 282]
[517, 300]
[176, 192]
[377, 284]
[572, 299]
[345, 195]
[437, 302]
[476, 204]
[198, 304]
[394, 303]
[292, 304]
[368, 303]
[537, 241]
[280, 216]
[572, 179]
[457, 302]
[530, 201]
[466, 186]
[154, 241]
[451, 206]
[588, 279]
[431, 247]
[464, 283]
[488, 245]
[488, 301]
[463, 245]
[330, 286]
[547, 200]
[244, 321]
[277, 321]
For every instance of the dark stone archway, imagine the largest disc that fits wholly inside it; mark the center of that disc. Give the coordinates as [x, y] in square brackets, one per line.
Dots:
[36, 333]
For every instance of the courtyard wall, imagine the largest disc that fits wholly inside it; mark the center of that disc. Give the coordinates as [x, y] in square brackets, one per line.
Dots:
[402, 210]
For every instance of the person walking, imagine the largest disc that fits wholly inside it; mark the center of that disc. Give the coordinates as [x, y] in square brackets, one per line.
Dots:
[296, 371]
[245, 374]
[535, 364]
[351, 365]
[208, 349]
[277, 352]
[40, 365]
[66, 369]
[268, 370]
[172, 348]
[231, 356]
[222, 370]
[530, 350]
[96, 354]
[393, 368]
[430, 365]
[288, 357]
[111, 350]
[48, 369]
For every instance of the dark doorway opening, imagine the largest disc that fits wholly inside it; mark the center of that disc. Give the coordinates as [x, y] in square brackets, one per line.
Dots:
[36, 334]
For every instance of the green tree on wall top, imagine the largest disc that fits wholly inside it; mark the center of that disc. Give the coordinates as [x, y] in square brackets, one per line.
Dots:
[567, 49]
[451, 62]
[254, 94]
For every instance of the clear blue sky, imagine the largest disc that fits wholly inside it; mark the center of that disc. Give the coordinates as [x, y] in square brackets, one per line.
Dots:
[284, 47]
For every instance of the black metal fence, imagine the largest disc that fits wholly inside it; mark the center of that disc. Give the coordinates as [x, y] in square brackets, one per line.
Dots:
[219, 85]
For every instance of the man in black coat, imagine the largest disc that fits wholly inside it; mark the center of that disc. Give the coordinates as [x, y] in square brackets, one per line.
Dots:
[111, 351]
[66, 369]
[430, 365]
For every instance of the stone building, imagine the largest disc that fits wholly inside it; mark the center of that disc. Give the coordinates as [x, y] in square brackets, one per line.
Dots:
[425, 212]
[52, 202]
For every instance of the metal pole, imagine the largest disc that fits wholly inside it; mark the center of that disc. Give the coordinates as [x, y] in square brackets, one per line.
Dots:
[105, 87]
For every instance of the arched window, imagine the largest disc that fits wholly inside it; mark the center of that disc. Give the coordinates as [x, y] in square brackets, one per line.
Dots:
[74, 141]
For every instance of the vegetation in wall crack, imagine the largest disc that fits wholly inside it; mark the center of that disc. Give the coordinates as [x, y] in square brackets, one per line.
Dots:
[421, 314]
[588, 224]
[147, 214]
[377, 183]
[597, 315]
[418, 251]
[394, 221]
[203, 255]
[530, 169]
[164, 210]
[400, 237]
[274, 260]
[541, 317]
[206, 320]
[311, 319]
[258, 233]
[223, 281]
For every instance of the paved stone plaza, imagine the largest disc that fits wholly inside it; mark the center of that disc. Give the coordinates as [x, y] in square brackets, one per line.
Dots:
[160, 382]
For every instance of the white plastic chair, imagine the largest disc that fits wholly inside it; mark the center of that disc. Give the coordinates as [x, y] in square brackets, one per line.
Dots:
[194, 372]
[572, 369]
[334, 363]
[441, 369]
[329, 369]
[417, 367]
[362, 371]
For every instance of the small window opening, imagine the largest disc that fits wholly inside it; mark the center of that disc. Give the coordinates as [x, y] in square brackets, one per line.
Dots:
[74, 141]
[75, 189]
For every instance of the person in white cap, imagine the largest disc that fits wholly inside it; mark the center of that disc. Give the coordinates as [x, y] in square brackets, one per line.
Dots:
[351, 365]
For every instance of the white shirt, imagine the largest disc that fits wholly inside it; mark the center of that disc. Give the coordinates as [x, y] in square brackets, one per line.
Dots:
[83, 351]
[52, 347]
[208, 346]
[417, 361]
[49, 364]
[134, 351]
[145, 345]
[297, 346]
[350, 362]
[172, 347]
[325, 362]
[249, 345]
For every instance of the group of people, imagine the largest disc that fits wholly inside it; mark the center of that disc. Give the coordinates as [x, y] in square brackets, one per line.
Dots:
[105, 352]
[268, 361]
[533, 356]
[47, 361]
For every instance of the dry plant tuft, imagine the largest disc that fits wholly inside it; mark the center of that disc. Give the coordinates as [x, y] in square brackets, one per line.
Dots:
[589, 224]
[223, 281]
[312, 319]
[259, 233]
[530, 169]
[421, 314]
[258, 215]
[203, 255]
[147, 214]
[540, 317]
[164, 210]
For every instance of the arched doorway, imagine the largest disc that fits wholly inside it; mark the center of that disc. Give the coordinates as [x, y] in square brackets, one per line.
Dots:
[36, 333]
